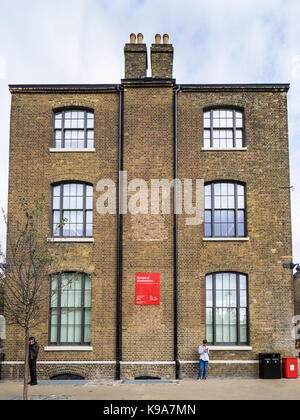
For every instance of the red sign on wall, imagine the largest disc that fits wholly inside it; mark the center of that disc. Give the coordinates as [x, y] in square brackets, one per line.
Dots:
[147, 288]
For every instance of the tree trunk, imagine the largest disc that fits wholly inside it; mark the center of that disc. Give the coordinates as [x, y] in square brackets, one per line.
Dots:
[26, 366]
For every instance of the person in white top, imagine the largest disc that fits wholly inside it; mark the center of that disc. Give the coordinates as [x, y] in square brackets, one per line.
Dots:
[204, 358]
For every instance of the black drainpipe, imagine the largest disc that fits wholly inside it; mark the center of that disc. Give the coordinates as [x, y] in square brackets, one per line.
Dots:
[176, 239]
[119, 240]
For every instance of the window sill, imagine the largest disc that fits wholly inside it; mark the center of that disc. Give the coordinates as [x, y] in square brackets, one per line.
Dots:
[217, 239]
[63, 150]
[231, 348]
[226, 149]
[70, 239]
[68, 348]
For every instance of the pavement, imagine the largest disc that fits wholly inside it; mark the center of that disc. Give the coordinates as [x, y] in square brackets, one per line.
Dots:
[186, 389]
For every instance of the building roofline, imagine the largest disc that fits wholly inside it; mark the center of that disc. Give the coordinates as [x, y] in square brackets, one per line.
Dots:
[63, 88]
[104, 88]
[149, 82]
[254, 87]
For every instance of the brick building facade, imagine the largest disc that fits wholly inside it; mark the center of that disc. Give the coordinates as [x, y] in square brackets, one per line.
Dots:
[222, 279]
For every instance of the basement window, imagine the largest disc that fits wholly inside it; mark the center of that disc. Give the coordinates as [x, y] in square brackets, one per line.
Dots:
[67, 376]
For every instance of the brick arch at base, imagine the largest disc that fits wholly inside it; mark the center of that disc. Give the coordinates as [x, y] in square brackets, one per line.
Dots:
[87, 371]
[50, 371]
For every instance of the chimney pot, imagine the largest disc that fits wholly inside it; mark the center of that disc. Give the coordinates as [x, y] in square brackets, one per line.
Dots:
[157, 39]
[166, 38]
[132, 38]
[140, 38]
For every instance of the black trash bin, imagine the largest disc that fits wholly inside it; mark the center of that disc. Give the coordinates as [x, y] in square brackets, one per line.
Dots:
[269, 366]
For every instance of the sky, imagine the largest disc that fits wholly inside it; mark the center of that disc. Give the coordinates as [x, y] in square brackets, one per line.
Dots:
[215, 41]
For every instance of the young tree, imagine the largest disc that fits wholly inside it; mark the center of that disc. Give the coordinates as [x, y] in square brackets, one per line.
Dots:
[25, 272]
[1, 297]
[2, 320]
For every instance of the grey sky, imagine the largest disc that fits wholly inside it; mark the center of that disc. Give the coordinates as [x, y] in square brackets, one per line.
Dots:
[215, 41]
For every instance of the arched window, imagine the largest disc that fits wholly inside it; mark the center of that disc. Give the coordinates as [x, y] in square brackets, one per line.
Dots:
[227, 308]
[74, 129]
[223, 128]
[225, 209]
[70, 309]
[72, 210]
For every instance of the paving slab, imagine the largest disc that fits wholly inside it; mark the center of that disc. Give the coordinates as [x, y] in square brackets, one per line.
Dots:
[187, 389]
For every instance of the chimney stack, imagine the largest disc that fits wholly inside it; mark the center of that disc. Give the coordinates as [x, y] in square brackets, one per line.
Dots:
[136, 63]
[162, 58]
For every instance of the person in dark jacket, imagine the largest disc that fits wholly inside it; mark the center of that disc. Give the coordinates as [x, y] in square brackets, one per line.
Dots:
[33, 354]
